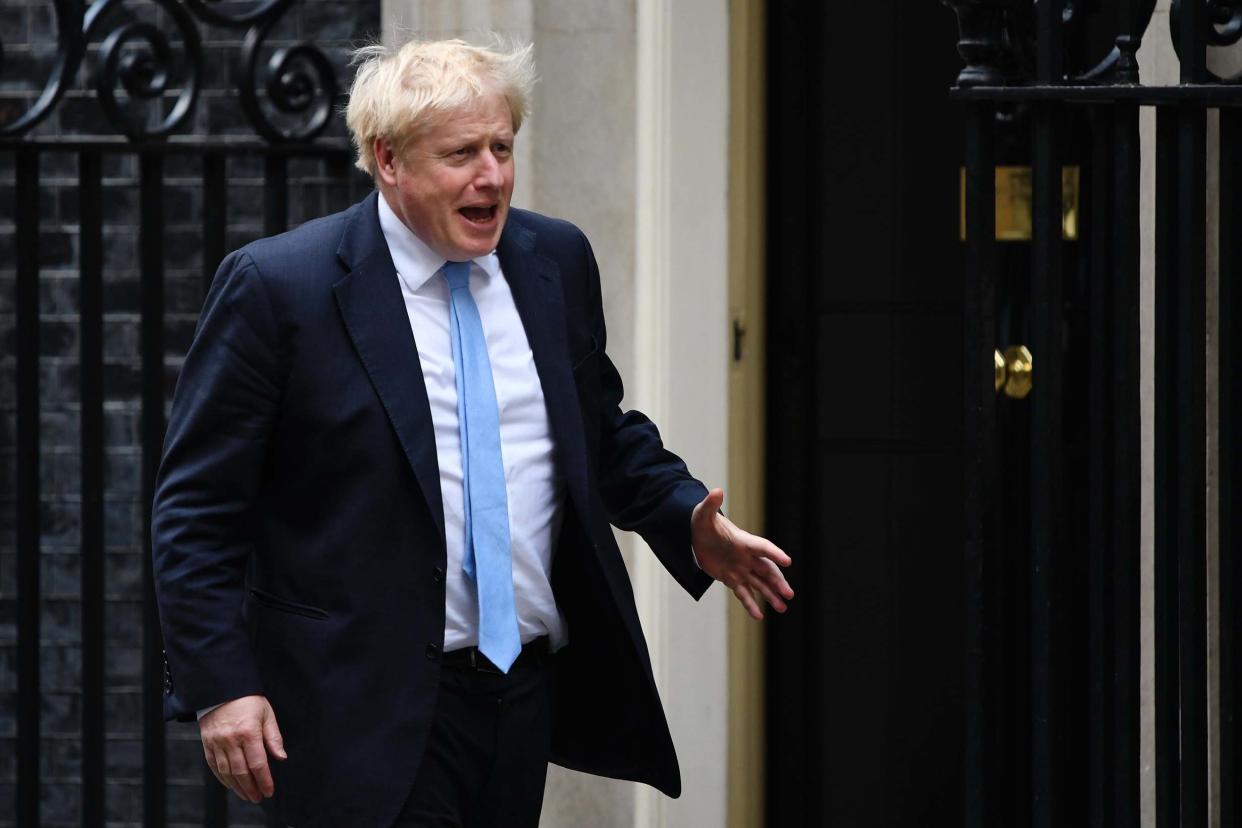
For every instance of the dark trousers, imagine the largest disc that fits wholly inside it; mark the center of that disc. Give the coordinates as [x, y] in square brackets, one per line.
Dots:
[487, 753]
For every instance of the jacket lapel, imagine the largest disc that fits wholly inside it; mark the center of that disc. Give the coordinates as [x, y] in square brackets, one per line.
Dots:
[535, 282]
[369, 298]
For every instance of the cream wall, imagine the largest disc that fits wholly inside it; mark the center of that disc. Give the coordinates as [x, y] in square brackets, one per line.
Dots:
[628, 140]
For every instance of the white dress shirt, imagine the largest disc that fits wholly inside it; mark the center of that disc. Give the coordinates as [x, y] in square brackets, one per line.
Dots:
[533, 483]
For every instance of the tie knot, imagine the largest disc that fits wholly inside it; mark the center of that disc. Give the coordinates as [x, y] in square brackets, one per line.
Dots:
[457, 274]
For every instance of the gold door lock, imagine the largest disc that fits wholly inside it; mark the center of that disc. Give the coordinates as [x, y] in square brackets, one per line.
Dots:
[1013, 372]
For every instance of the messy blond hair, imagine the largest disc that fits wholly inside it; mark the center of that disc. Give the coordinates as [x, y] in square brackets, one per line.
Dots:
[396, 91]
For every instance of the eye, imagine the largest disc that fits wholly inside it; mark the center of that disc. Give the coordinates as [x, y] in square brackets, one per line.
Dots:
[502, 149]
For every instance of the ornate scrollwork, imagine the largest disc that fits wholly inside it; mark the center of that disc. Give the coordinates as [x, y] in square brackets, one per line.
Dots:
[265, 11]
[139, 57]
[299, 81]
[288, 97]
[1225, 18]
[69, 15]
[1221, 22]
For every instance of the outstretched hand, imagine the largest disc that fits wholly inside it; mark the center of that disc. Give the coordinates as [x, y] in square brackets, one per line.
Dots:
[745, 563]
[237, 738]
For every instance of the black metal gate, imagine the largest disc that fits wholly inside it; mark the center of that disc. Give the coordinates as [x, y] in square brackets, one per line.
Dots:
[148, 66]
[1053, 481]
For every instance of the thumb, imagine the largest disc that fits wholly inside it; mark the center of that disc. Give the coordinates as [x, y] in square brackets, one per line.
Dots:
[271, 736]
[708, 506]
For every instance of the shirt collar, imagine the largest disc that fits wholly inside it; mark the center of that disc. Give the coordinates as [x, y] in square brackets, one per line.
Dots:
[415, 262]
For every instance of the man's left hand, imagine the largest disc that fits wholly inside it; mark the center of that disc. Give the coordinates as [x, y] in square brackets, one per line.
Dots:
[745, 563]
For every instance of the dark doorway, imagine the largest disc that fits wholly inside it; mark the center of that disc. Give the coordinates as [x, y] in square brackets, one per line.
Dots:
[865, 675]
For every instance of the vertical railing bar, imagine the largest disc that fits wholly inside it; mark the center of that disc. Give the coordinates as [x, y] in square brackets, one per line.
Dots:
[983, 751]
[28, 485]
[1192, 471]
[1166, 475]
[1191, 41]
[152, 301]
[90, 199]
[1230, 457]
[1045, 417]
[1100, 473]
[1050, 41]
[1046, 466]
[215, 205]
[275, 194]
[1126, 467]
[215, 218]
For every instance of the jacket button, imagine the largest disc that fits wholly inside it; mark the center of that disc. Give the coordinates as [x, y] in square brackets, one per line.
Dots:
[437, 575]
[433, 652]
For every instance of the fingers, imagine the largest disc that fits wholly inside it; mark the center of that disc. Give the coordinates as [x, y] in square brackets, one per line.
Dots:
[236, 738]
[256, 766]
[762, 547]
[272, 738]
[758, 584]
[748, 601]
[240, 771]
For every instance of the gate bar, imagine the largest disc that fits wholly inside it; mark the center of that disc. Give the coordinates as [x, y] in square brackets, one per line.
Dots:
[1191, 437]
[215, 197]
[1126, 467]
[28, 501]
[275, 195]
[1230, 472]
[983, 559]
[1046, 290]
[1046, 470]
[90, 357]
[151, 175]
[1168, 737]
[1101, 412]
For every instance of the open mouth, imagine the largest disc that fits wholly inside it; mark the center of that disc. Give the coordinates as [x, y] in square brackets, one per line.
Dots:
[478, 215]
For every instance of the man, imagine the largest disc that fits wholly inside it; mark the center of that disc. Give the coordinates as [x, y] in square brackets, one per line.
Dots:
[381, 525]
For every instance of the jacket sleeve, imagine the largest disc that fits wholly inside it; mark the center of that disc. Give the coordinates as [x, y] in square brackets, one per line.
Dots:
[222, 414]
[645, 487]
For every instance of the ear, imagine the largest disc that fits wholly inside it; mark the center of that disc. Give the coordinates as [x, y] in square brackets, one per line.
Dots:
[385, 161]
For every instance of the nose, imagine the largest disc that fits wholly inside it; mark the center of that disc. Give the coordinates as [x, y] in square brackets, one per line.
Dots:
[489, 174]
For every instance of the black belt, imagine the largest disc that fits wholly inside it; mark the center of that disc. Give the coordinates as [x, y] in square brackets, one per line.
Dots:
[534, 652]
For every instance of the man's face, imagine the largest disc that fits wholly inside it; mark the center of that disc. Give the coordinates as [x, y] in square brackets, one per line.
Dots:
[453, 184]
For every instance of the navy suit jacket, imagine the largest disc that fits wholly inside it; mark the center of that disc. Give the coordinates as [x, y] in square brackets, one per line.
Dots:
[298, 530]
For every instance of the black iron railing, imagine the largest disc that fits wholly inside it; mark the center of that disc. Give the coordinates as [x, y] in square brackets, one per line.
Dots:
[147, 85]
[1027, 66]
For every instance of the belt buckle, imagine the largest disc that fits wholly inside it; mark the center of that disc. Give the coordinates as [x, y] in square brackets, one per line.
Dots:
[482, 664]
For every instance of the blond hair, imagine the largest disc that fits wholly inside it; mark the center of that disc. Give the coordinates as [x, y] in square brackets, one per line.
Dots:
[398, 91]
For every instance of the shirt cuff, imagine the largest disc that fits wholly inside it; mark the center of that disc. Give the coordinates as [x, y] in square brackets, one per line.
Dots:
[207, 710]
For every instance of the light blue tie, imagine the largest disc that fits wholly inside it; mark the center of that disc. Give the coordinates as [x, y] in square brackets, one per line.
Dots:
[487, 556]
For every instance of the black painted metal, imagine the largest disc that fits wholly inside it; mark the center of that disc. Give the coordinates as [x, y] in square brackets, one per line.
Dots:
[983, 555]
[1166, 475]
[1047, 483]
[1230, 454]
[288, 98]
[28, 488]
[90, 309]
[1100, 552]
[1061, 92]
[275, 195]
[1126, 434]
[1191, 437]
[215, 213]
[151, 208]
